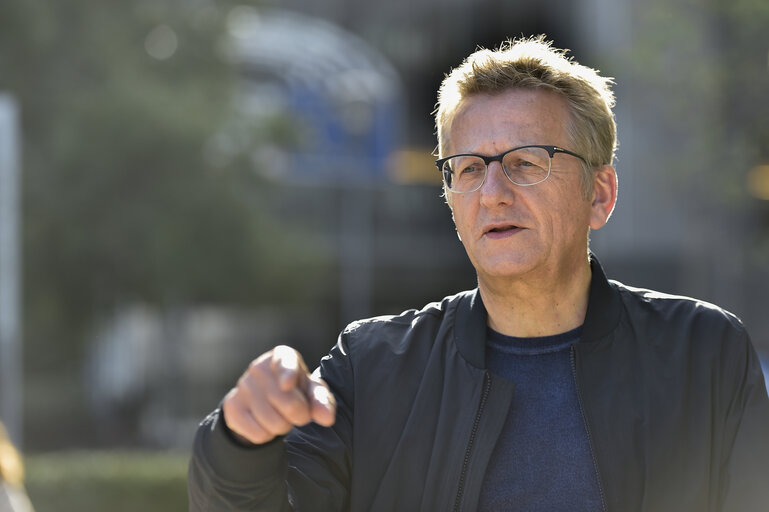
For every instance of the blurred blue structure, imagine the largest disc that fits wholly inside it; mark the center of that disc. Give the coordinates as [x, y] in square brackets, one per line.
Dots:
[338, 101]
[341, 97]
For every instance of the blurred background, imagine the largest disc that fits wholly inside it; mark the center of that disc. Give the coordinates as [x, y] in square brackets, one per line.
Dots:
[187, 183]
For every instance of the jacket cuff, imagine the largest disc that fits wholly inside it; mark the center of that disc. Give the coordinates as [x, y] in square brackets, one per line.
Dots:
[233, 461]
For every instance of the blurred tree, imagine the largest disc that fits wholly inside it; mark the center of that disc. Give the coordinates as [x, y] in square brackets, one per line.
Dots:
[122, 201]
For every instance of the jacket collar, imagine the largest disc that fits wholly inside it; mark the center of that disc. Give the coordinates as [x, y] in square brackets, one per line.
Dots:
[603, 312]
[603, 307]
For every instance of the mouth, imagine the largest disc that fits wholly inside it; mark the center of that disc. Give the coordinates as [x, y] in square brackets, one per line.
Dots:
[501, 230]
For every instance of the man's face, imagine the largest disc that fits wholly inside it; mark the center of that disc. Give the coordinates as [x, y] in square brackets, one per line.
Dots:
[511, 231]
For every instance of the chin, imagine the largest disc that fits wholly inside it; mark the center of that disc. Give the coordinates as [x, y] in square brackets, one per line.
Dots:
[510, 269]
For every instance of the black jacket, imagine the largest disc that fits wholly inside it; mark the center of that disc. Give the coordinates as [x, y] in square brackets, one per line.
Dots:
[670, 388]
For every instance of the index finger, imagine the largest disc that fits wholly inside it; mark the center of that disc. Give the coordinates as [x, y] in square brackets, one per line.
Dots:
[289, 368]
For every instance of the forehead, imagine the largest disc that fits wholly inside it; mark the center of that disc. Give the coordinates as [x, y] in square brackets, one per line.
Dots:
[511, 118]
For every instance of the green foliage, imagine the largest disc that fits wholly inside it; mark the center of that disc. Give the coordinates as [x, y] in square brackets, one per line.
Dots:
[115, 481]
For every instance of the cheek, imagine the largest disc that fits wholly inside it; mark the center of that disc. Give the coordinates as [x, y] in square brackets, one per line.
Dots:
[564, 212]
[576, 219]
[463, 221]
[459, 222]
[458, 207]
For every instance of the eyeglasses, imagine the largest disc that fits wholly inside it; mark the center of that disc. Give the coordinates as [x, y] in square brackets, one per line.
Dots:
[524, 166]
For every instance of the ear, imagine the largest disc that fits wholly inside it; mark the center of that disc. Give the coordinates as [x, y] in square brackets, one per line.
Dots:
[604, 196]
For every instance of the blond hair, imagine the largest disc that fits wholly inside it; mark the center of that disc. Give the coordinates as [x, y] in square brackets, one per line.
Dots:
[533, 63]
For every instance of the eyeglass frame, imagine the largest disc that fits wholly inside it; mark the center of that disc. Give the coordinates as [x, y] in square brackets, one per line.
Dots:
[551, 151]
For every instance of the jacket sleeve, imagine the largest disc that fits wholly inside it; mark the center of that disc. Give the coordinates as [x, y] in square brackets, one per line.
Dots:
[224, 475]
[745, 483]
[309, 469]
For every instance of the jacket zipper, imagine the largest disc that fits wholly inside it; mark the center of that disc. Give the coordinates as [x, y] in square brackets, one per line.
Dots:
[473, 433]
[587, 428]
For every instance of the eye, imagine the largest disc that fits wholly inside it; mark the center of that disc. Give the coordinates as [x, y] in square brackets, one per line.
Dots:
[465, 165]
[523, 164]
[527, 159]
[472, 167]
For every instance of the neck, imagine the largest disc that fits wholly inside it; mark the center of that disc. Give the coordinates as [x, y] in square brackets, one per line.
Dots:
[533, 307]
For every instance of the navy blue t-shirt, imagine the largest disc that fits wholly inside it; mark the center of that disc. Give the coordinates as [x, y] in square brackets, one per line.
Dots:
[542, 460]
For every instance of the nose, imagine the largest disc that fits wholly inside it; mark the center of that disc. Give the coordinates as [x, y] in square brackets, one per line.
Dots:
[497, 188]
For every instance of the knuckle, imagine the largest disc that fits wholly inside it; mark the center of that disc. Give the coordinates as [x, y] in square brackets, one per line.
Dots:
[233, 402]
[256, 366]
[236, 423]
[256, 378]
[227, 405]
[276, 425]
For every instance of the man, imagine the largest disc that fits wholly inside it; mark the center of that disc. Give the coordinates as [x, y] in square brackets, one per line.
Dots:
[546, 388]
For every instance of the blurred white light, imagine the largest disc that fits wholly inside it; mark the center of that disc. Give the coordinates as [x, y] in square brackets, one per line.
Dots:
[161, 42]
[242, 21]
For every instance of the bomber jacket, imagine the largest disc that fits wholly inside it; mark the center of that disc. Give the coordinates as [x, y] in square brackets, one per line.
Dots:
[670, 388]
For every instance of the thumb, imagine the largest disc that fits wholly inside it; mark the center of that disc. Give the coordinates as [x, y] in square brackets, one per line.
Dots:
[322, 402]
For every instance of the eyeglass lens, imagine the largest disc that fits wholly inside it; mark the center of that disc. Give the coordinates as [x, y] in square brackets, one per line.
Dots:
[525, 166]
